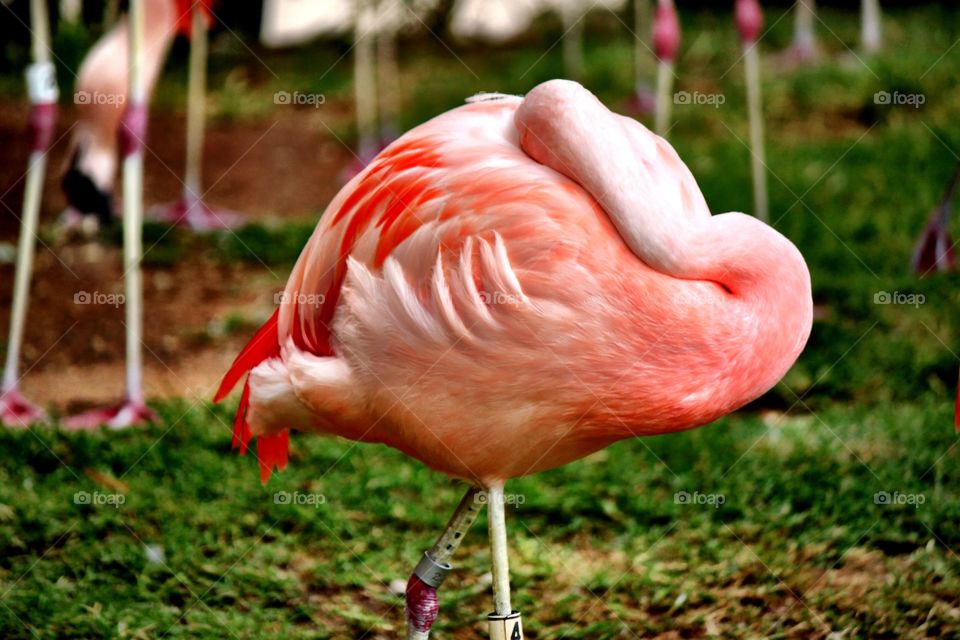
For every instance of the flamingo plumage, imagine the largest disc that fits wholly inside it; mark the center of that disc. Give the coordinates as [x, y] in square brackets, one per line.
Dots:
[513, 285]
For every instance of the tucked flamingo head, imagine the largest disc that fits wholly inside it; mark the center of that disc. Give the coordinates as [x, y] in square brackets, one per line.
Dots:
[749, 18]
[666, 31]
[656, 206]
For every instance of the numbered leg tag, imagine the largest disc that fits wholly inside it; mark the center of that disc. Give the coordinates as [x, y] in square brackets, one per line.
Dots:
[505, 627]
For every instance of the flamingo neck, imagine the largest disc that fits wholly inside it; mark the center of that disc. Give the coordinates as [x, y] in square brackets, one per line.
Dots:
[633, 175]
[659, 212]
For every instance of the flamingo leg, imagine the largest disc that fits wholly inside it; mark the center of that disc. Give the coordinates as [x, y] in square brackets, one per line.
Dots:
[504, 622]
[422, 602]
[664, 97]
[758, 164]
[132, 132]
[133, 128]
[15, 410]
[197, 88]
[191, 211]
[871, 31]
[804, 47]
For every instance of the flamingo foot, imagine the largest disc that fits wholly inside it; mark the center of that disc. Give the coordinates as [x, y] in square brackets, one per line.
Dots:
[126, 414]
[196, 216]
[17, 412]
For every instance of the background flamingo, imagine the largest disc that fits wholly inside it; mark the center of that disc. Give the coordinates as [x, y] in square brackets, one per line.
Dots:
[193, 20]
[498, 21]
[541, 258]
[101, 98]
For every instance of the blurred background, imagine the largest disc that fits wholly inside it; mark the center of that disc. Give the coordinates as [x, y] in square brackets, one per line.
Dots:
[828, 508]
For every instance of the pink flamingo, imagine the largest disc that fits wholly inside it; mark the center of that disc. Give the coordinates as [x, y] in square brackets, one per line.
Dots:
[102, 95]
[509, 287]
[194, 20]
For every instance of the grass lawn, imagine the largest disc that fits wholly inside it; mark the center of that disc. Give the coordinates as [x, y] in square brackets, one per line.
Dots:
[831, 506]
[782, 534]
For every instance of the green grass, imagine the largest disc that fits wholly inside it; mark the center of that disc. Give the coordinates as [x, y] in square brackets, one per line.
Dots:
[600, 548]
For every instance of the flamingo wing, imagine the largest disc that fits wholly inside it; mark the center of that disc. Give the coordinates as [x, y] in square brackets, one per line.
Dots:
[406, 189]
